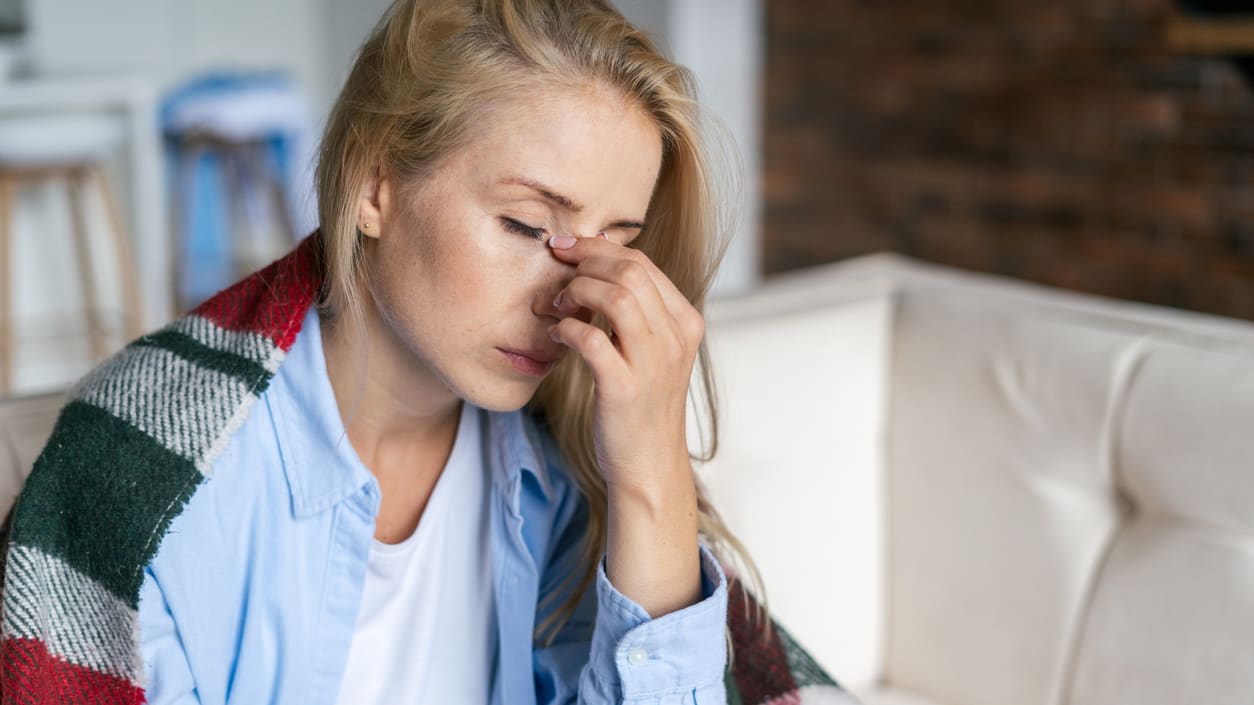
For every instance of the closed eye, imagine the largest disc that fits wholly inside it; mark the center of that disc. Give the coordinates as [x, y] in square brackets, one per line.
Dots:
[516, 227]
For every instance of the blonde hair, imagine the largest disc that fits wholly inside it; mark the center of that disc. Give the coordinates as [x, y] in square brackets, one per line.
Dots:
[427, 69]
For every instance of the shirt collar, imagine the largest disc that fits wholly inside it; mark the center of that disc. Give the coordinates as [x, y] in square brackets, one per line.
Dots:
[524, 448]
[321, 466]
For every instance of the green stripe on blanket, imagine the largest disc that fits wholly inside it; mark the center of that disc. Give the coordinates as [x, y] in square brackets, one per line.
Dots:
[65, 512]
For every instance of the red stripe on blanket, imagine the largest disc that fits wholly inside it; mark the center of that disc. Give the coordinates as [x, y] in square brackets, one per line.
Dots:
[761, 664]
[29, 675]
[790, 698]
[271, 302]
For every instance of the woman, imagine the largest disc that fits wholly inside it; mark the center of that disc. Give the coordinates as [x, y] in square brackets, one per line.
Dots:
[436, 454]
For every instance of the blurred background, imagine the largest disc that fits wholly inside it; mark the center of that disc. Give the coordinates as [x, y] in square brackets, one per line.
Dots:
[1099, 145]
[151, 151]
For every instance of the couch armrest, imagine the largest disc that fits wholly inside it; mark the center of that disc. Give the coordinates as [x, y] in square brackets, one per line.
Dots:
[798, 475]
[25, 424]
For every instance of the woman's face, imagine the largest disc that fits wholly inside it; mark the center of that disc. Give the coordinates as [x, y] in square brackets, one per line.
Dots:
[456, 272]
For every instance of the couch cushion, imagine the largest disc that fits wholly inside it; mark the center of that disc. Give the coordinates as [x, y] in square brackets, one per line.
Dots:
[1001, 495]
[1185, 448]
[1173, 611]
[1171, 620]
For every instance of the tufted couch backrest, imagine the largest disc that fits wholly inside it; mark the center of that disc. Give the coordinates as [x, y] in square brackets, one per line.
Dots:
[981, 492]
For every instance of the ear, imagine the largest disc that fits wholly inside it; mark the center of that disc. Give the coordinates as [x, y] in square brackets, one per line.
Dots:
[374, 204]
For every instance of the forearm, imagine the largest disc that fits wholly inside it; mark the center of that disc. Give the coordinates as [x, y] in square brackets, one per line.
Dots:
[651, 553]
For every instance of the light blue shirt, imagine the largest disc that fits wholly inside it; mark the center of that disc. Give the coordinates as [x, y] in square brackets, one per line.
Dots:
[253, 595]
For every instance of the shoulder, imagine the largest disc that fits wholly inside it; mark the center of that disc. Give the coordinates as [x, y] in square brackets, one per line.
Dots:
[137, 436]
[129, 449]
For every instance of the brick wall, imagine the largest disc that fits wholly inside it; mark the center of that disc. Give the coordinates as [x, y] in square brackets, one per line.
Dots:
[1062, 142]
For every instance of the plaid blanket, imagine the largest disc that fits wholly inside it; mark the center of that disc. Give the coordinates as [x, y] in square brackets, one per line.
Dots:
[770, 667]
[129, 449]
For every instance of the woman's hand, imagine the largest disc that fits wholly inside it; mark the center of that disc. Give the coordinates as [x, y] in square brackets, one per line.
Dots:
[642, 371]
[641, 374]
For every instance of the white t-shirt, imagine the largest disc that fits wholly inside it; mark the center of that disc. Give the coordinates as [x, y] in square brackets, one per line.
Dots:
[426, 630]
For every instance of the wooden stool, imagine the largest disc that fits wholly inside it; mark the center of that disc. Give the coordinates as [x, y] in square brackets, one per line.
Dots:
[244, 161]
[69, 151]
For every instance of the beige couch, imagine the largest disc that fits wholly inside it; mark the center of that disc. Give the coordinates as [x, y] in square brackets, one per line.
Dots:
[964, 490]
[968, 491]
[25, 424]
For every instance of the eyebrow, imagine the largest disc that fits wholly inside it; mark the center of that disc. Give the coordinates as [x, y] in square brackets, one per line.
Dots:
[564, 201]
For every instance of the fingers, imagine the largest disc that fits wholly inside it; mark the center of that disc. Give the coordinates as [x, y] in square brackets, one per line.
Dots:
[654, 324]
[632, 275]
[609, 368]
[587, 248]
[621, 307]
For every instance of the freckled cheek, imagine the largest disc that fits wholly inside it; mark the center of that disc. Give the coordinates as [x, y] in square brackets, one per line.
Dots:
[501, 282]
[472, 280]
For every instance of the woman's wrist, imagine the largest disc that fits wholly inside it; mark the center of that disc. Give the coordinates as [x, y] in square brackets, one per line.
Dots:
[652, 554]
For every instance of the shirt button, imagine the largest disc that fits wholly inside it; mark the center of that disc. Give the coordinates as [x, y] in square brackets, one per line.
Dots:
[637, 656]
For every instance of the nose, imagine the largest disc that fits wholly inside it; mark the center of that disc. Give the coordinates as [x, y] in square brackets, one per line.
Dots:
[555, 279]
[549, 284]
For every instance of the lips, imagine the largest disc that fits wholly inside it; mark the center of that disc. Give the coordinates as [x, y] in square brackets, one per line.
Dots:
[541, 356]
[534, 363]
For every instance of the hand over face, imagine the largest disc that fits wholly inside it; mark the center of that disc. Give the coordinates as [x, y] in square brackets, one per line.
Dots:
[642, 369]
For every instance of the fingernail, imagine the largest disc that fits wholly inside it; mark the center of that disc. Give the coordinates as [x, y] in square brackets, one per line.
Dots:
[557, 303]
[602, 235]
[561, 242]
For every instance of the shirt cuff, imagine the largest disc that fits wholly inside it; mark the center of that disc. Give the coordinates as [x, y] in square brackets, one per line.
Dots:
[678, 652]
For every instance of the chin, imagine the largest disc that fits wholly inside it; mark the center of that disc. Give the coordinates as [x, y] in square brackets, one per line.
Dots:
[502, 396]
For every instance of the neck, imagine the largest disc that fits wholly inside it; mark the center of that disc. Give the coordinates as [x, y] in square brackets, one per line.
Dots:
[394, 410]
